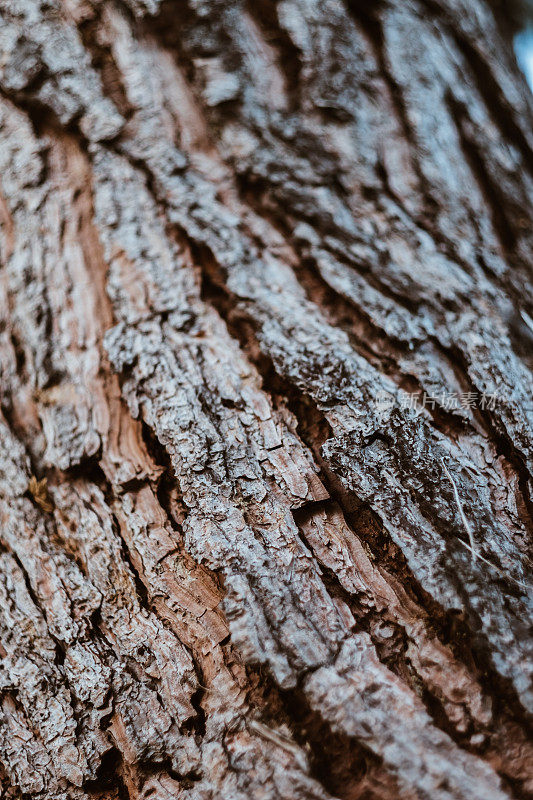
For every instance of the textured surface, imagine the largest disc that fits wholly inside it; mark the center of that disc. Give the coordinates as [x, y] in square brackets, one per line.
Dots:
[237, 239]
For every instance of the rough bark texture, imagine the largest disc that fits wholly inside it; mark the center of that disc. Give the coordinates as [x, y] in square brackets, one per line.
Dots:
[228, 568]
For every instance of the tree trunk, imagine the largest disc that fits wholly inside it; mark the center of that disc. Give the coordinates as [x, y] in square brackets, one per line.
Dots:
[266, 400]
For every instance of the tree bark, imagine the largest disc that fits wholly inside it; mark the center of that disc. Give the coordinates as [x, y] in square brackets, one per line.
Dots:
[238, 240]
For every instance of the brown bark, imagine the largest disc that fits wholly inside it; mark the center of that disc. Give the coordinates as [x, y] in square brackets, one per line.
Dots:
[234, 564]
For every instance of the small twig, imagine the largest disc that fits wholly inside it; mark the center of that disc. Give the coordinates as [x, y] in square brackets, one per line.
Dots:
[527, 319]
[273, 736]
[471, 546]
[501, 571]
[461, 512]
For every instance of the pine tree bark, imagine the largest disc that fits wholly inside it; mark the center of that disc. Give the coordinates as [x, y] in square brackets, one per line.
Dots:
[237, 239]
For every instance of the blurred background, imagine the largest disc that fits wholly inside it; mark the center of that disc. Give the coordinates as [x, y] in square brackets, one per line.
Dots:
[523, 40]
